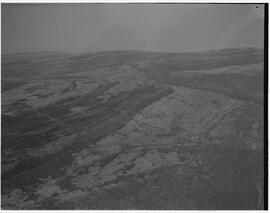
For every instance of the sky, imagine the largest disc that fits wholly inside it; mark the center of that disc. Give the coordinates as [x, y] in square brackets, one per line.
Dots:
[80, 28]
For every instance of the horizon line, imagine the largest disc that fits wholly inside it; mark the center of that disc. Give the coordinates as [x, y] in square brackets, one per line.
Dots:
[124, 50]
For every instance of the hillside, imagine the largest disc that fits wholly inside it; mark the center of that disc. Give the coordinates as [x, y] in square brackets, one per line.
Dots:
[133, 130]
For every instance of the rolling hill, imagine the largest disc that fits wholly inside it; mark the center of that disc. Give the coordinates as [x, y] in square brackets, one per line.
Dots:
[133, 130]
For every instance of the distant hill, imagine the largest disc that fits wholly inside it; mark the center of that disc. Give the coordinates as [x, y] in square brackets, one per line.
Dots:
[156, 65]
[32, 64]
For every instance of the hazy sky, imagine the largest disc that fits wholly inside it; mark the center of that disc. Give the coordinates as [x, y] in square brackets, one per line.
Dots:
[156, 27]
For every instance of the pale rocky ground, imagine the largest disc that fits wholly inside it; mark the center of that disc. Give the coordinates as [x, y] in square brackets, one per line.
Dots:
[180, 119]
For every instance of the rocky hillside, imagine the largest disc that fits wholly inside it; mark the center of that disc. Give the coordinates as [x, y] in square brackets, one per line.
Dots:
[133, 130]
